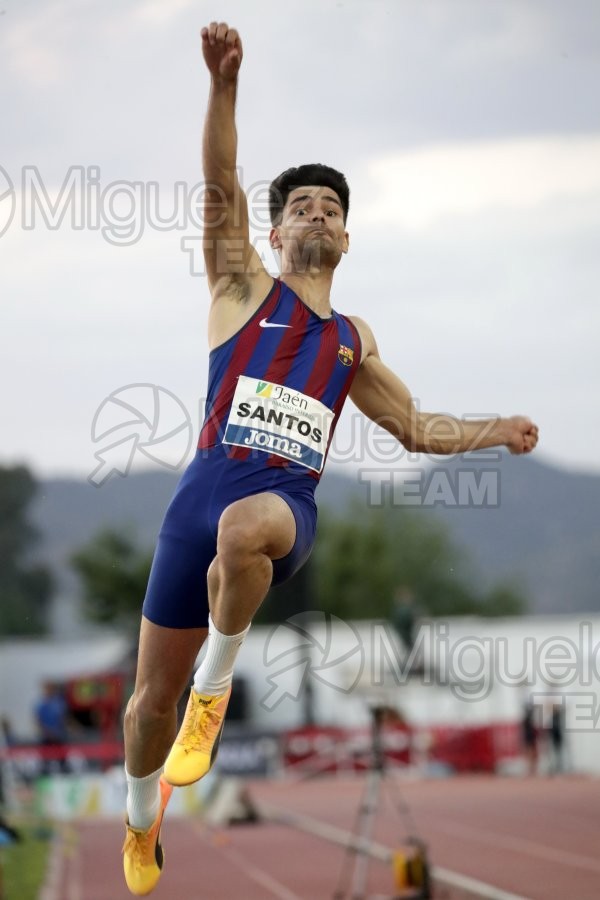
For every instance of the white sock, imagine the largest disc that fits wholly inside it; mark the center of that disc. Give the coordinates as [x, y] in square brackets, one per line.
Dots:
[215, 672]
[143, 799]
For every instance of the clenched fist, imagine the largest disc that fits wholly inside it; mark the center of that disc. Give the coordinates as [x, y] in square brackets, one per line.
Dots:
[222, 50]
[522, 434]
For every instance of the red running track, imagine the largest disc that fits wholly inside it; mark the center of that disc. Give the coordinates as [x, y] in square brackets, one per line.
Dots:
[537, 838]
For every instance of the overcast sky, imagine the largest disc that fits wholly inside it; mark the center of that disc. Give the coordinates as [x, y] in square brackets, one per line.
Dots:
[469, 131]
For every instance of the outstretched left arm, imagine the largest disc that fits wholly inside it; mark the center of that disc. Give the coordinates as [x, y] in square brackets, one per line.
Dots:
[381, 396]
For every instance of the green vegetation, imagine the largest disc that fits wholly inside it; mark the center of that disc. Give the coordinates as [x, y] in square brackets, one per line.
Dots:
[362, 560]
[25, 589]
[114, 573]
[365, 558]
[24, 864]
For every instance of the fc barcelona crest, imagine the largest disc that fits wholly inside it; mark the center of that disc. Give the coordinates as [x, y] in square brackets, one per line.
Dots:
[346, 355]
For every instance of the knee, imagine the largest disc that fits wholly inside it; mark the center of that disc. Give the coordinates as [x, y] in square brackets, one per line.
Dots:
[236, 541]
[149, 705]
[212, 578]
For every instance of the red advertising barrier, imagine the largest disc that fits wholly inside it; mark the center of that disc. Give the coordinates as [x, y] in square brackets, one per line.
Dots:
[335, 749]
[461, 748]
[105, 752]
[28, 761]
[473, 748]
[315, 750]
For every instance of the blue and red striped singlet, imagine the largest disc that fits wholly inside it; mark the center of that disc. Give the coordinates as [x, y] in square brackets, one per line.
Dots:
[277, 387]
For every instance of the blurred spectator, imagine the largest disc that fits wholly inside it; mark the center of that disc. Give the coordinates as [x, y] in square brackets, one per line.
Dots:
[6, 740]
[556, 732]
[530, 735]
[51, 717]
[6, 732]
[405, 617]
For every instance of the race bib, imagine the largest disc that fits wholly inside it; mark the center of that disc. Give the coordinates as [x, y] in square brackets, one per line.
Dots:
[273, 418]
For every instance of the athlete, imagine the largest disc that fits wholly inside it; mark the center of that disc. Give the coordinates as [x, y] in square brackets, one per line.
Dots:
[243, 517]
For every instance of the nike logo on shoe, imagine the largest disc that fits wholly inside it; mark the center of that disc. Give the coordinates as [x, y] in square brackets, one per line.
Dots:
[264, 323]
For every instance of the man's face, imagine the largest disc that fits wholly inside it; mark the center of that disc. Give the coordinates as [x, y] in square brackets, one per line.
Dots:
[311, 235]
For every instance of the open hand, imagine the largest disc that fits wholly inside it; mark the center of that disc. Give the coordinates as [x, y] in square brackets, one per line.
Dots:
[522, 434]
[222, 50]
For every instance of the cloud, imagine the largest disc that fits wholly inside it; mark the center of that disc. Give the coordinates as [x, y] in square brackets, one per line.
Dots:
[32, 46]
[157, 12]
[414, 189]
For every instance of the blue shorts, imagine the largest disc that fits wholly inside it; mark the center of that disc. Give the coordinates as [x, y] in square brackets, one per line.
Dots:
[177, 595]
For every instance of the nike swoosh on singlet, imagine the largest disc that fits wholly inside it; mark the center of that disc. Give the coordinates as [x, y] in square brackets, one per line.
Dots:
[264, 323]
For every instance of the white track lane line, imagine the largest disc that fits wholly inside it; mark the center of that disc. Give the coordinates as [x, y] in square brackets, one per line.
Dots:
[278, 890]
[523, 846]
[379, 851]
[478, 889]
[54, 868]
[74, 865]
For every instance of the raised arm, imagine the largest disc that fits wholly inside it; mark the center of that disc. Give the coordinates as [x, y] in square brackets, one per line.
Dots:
[381, 396]
[230, 259]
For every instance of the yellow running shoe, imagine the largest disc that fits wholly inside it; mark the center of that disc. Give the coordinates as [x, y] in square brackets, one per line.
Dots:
[143, 855]
[196, 745]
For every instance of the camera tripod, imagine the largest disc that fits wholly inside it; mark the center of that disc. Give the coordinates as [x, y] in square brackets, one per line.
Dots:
[410, 865]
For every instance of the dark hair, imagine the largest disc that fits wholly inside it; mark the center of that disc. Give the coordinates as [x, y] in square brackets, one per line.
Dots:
[312, 174]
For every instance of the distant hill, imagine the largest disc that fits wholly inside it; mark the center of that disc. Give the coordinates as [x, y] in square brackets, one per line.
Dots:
[545, 532]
